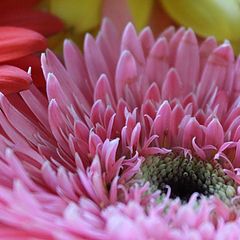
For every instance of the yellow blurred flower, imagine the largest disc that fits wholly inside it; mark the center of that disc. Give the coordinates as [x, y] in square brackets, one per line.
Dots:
[85, 15]
[219, 18]
[82, 15]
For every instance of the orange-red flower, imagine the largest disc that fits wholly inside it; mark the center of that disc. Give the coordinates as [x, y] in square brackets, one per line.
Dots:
[23, 32]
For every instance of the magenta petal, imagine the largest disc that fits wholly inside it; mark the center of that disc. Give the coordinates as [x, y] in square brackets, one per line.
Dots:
[146, 39]
[131, 43]
[172, 85]
[158, 61]
[95, 62]
[126, 73]
[215, 72]
[189, 69]
[214, 134]
[191, 130]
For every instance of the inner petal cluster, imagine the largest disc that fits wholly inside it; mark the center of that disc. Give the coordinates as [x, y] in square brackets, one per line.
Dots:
[187, 175]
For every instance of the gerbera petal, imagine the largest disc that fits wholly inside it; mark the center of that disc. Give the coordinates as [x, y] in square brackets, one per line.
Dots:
[19, 42]
[35, 20]
[13, 79]
[189, 69]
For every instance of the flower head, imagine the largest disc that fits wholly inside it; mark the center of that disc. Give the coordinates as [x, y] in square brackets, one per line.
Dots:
[96, 158]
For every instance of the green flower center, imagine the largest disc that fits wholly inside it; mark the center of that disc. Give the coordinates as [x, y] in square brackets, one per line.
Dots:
[186, 176]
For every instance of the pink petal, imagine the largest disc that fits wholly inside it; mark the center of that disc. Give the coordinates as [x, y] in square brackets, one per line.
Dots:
[126, 72]
[189, 68]
[172, 85]
[214, 134]
[158, 61]
[131, 43]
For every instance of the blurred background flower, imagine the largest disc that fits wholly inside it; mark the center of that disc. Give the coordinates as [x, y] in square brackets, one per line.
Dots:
[24, 28]
[219, 18]
[83, 16]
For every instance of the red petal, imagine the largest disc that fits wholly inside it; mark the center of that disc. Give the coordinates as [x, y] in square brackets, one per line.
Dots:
[13, 79]
[19, 42]
[38, 21]
[32, 61]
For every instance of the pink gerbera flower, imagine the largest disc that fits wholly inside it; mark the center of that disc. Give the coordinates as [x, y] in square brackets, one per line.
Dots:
[138, 138]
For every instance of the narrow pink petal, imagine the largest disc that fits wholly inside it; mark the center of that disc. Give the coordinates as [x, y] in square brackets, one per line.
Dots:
[109, 154]
[97, 112]
[214, 134]
[49, 175]
[95, 62]
[131, 43]
[86, 182]
[14, 135]
[236, 161]
[233, 127]
[76, 68]
[37, 103]
[173, 45]
[236, 134]
[55, 91]
[158, 61]
[126, 73]
[20, 171]
[113, 190]
[81, 131]
[221, 104]
[146, 39]
[103, 91]
[153, 93]
[172, 85]
[110, 128]
[52, 64]
[57, 123]
[176, 117]
[135, 138]
[65, 184]
[199, 151]
[161, 123]
[109, 34]
[236, 86]
[188, 69]
[94, 143]
[20, 122]
[215, 72]
[206, 48]
[191, 130]
[168, 33]
[100, 189]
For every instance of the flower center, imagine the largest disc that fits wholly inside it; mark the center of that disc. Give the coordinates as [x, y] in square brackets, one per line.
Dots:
[186, 176]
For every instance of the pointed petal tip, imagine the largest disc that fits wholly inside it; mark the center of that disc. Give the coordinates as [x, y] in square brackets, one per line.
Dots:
[225, 51]
[52, 103]
[190, 37]
[50, 76]
[67, 41]
[131, 26]
[129, 31]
